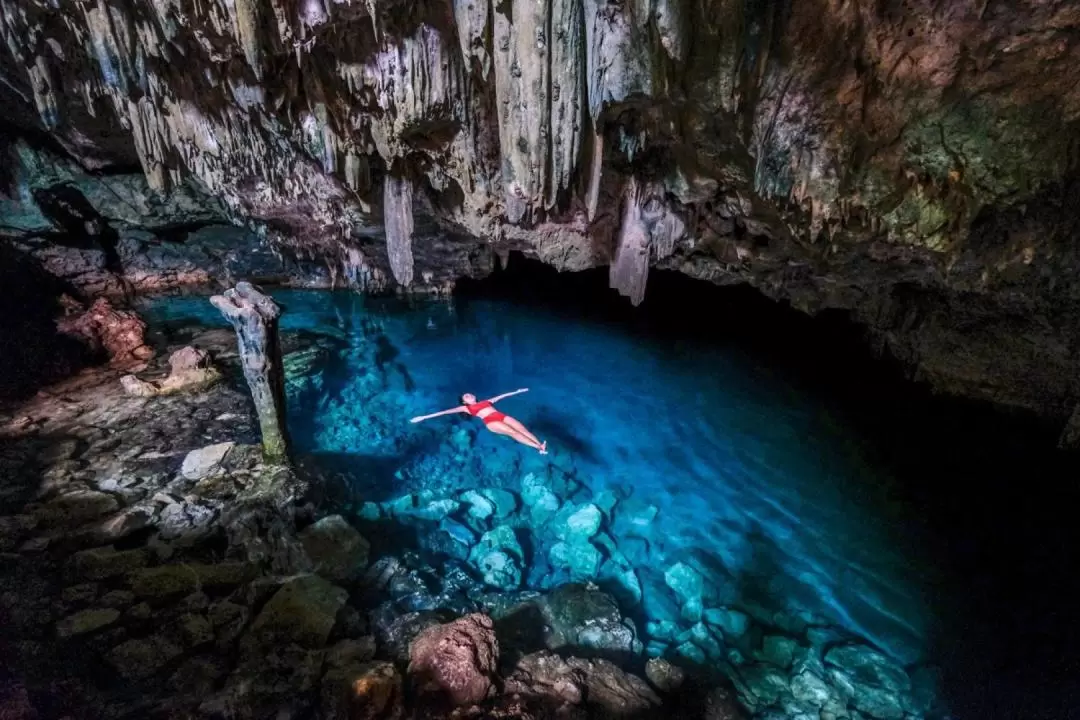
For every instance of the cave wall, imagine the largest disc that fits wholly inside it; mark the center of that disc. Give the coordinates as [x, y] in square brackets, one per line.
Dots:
[914, 162]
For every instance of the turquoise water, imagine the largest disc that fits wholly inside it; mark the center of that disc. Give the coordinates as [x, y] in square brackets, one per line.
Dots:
[702, 455]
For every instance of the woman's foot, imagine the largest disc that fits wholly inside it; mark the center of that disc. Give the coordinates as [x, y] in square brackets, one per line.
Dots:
[543, 448]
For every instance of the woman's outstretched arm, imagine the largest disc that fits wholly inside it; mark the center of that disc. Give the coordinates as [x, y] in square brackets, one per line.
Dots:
[497, 398]
[451, 411]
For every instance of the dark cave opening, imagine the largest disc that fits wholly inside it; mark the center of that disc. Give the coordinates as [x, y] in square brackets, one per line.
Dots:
[994, 493]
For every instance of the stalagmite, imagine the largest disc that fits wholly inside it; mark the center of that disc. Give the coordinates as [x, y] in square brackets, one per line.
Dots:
[630, 268]
[398, 217]
[592, 193]
[254, 316]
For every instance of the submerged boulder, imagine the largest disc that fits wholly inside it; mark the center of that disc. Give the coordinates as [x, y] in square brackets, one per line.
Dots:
[455, 662]
[578, 523]
[877, 685]
[499, 558]
[573, 681]
[582, 559]
[584, 619]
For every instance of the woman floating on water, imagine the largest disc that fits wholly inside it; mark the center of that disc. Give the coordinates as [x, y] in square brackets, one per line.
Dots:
[495, 421]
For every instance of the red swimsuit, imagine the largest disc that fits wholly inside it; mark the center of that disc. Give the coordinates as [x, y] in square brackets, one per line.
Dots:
[491, 417]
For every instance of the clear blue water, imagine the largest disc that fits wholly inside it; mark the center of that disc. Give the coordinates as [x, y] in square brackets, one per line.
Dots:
[749, 474]
[761, 481]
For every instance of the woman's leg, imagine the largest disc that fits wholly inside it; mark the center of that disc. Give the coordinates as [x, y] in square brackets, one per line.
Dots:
[500, 428]
[516, 425]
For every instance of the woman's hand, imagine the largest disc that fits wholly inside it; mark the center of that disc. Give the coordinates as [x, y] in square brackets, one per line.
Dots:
[521, 390]
[418, 418]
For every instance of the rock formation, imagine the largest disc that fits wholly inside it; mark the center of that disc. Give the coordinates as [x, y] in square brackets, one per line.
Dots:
[914, 163]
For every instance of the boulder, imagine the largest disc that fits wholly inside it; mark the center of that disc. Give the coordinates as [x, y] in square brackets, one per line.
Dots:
[597, 682]
[499, 558]
[106, 562]
[365, 691]
[664, 676]
[455, 662]
[205, 461]
[876, 685]
[190, 369]
[582, 618]
[301, 612]
[142, 657]
[76, 507]
[733, 623]
[580, 558]
[578, 523]
[778, 650]
[86, 621]
[480, 507]
[176, 579]
[720, 704]
[503, 502]
[396, 632]
[339, 552]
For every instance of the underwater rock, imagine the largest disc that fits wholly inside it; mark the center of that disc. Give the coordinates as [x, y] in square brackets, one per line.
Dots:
[664, 676]
[572, 680]
[140, 658]
[538, 496]
[302, 611]
[205, 461]
[720, 704]
[875, 683]
[421, 506]
[582, 618]
[810, 691]
[499, 558]
[339, 552]
[365, 691]
[766, 684]
[689, 585]
[86, 621]
[733, 623]
[396, 632]
[480, 507]
[455, 662]
[777, 650]
[459, 532]
[581, 558]
[578, 523]
[503, 502]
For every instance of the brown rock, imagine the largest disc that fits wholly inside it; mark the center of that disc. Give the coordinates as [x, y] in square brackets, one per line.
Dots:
[368, 691]
[119, 333]
[456, 661]
[573, 680]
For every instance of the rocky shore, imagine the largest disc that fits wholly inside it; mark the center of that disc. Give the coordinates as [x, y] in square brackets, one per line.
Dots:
[154, 565]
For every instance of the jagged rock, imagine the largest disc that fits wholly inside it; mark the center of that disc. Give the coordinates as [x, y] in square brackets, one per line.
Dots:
[457, 661]
[205, 461]
[302, 611]
[732, 623]
[190, 370]
[720, 704]
[809, 690]
[582, 618]
[182, 579]
[572, 680]
[480, 507]
[396, 631]
[338, 551]
[106, 562]
[778, 650]
[79, 593]
[664, 676]
[86, 621]
[142, 657]
[503, 502]
[348, 652]
[228, 620]
[195, 629]
[119, 333]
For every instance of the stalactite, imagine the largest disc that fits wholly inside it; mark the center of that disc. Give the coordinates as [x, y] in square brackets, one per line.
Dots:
[619, 60]
[246, 28]
[473, 19]
[398, 220]
[592, 192]
[41, 82]
[630, 268]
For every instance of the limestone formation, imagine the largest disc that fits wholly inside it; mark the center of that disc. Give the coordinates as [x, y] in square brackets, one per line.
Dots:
[254, 316]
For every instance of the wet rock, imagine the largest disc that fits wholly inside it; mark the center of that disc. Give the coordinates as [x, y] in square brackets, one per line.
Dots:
[187, 520]
[503, 502]
[765, 683]
[228, 620]
[396, 631]
[458, 532]
[480, 507]
[664, 676]
[117, 598]
[541, 500]
[578, 523]
[370, 691]
[876, 684]
[86, 621]
[119, 333]
[190, 370]
[778, 650]
[350, 652]
[337, 550]
[276, 681]
[205, 461]
[76, 507]
[573, 680]
[140, 658]
[809, 690]
[499, 558]
[302, 611]
[583, 618]
[167, 580]
[689, 585]
[107, 562]
[455, 662]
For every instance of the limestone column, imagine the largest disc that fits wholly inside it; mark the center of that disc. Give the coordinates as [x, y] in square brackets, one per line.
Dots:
[254, 316]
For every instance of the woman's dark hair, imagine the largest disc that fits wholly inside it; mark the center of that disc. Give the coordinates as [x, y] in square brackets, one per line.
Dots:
[462, 398]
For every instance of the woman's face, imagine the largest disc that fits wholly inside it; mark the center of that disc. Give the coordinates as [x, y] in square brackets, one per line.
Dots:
[468, 398]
